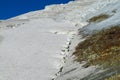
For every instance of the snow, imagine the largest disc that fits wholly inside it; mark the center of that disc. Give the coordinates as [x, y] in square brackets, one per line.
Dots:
[73, 70]
[31, 52]
[107, 8]
[37, 45]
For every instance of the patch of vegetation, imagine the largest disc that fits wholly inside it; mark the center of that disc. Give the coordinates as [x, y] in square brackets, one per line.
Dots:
[99, 18]
[102, 48]
[115, 77]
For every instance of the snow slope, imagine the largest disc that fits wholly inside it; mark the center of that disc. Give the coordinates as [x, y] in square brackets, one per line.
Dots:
[75, 71]
[39, 45]
[31, 51]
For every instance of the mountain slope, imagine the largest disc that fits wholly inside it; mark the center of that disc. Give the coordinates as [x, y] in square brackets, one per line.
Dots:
[40, 45]
[83, 63]
[33, 51]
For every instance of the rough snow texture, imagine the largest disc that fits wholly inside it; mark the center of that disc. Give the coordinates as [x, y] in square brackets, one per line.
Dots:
[31, 51]
[41, 44]
[110, 7]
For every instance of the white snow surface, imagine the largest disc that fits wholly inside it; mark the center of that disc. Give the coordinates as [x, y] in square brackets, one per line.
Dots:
[36, 43]
[31, 51]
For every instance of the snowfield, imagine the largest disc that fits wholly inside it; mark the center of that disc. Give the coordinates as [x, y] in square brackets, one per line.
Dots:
[39, 45]
[31, 51]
